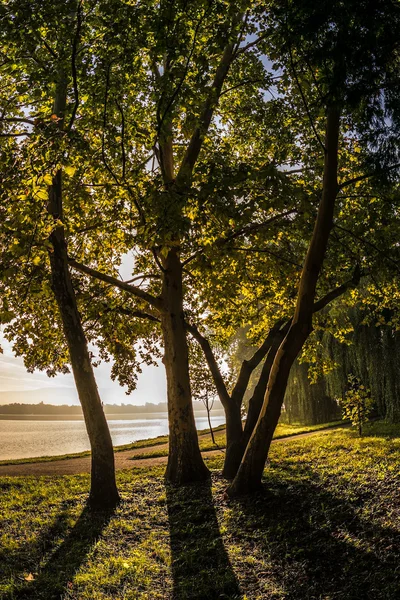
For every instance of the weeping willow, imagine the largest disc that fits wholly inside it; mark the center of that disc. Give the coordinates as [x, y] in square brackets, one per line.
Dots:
[373, 356]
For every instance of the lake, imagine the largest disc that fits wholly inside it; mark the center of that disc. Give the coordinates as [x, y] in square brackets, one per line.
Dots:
[34, 436]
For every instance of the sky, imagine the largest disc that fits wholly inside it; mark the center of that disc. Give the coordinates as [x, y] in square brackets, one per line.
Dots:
[17, 385]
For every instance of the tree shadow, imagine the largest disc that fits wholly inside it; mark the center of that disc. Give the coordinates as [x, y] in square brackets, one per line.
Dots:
[53, 579]
[25, 557]
[317, 544]
[201, 567]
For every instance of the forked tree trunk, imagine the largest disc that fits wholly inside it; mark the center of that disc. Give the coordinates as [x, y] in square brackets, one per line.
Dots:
[103, 488]
[185, 463]
[248, 477]
[257, 399]
[233, 460]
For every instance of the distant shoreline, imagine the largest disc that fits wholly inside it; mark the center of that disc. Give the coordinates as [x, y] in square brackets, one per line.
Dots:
[44, 411]
[133, 416]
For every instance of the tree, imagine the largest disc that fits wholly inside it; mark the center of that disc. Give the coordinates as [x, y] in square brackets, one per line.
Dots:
[345, 89]
[159, 74]
[103, 490]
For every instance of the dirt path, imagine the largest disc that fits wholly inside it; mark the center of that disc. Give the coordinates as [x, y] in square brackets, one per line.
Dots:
[123, 459]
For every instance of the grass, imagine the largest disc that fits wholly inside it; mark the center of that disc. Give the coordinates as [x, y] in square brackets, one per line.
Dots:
[327, 526]
[205, 443]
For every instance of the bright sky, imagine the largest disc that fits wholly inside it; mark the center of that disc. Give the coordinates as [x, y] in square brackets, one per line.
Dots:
[17, 385]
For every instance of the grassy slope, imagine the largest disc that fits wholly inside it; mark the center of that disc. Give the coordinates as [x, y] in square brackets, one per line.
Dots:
[205, 444]
[327, 527]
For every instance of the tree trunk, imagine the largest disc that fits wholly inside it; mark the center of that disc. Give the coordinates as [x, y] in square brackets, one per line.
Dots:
[248, 478]
[103, 488]
[234, 440]
[185, 463]
[234, 457]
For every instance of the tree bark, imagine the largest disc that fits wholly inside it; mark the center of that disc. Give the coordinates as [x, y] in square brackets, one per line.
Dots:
[185, 463]
[234, 440]
[248, 477]
[103, 488]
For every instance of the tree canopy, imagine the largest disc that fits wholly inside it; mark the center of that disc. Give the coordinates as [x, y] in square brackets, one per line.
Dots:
[197, 142]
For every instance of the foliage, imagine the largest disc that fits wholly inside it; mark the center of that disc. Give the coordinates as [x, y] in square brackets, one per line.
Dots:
[357, 403]
[245, 218]
[369, 350]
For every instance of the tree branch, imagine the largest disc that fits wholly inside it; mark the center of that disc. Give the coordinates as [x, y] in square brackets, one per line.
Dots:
[17, 120]
[248, 366]
[212, 363]
[280, 329]
[305, 102]
[126, 287]
[196, 141]
[366, 176]
[73, 63]
[243, 231]
[251, 44]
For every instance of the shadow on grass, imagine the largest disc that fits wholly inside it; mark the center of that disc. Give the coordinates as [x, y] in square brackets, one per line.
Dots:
[53, 579]
[26, 556]
[200, 565]
[314, 543]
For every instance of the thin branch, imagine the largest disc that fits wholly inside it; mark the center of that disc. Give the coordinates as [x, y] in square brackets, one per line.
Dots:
[25, 133]
[142, 277]
[122, 138]
[212, 364]
[339, 291]
[196, 141]
[366, 176]
[305, 102]
[240, 84]
[131, 289]
[17, 120]
[251, 44]
[48, 47]
[73, 63]
[103, 150]
[243, 231]
[370, 244]
[257, 226]
[185, 71]
[265, 251]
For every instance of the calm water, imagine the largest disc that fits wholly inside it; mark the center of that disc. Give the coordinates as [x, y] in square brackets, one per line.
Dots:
[24, 438]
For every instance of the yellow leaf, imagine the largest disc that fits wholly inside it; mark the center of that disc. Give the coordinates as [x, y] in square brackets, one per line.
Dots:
[70, 171]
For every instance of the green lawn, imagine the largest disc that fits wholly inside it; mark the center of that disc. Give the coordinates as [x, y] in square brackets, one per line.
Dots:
[326, 527]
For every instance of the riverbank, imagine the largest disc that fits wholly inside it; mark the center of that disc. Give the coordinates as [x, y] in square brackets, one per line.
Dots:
[23, 438]
[159, 445]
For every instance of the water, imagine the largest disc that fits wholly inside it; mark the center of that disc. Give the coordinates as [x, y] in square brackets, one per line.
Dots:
[26, 437]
